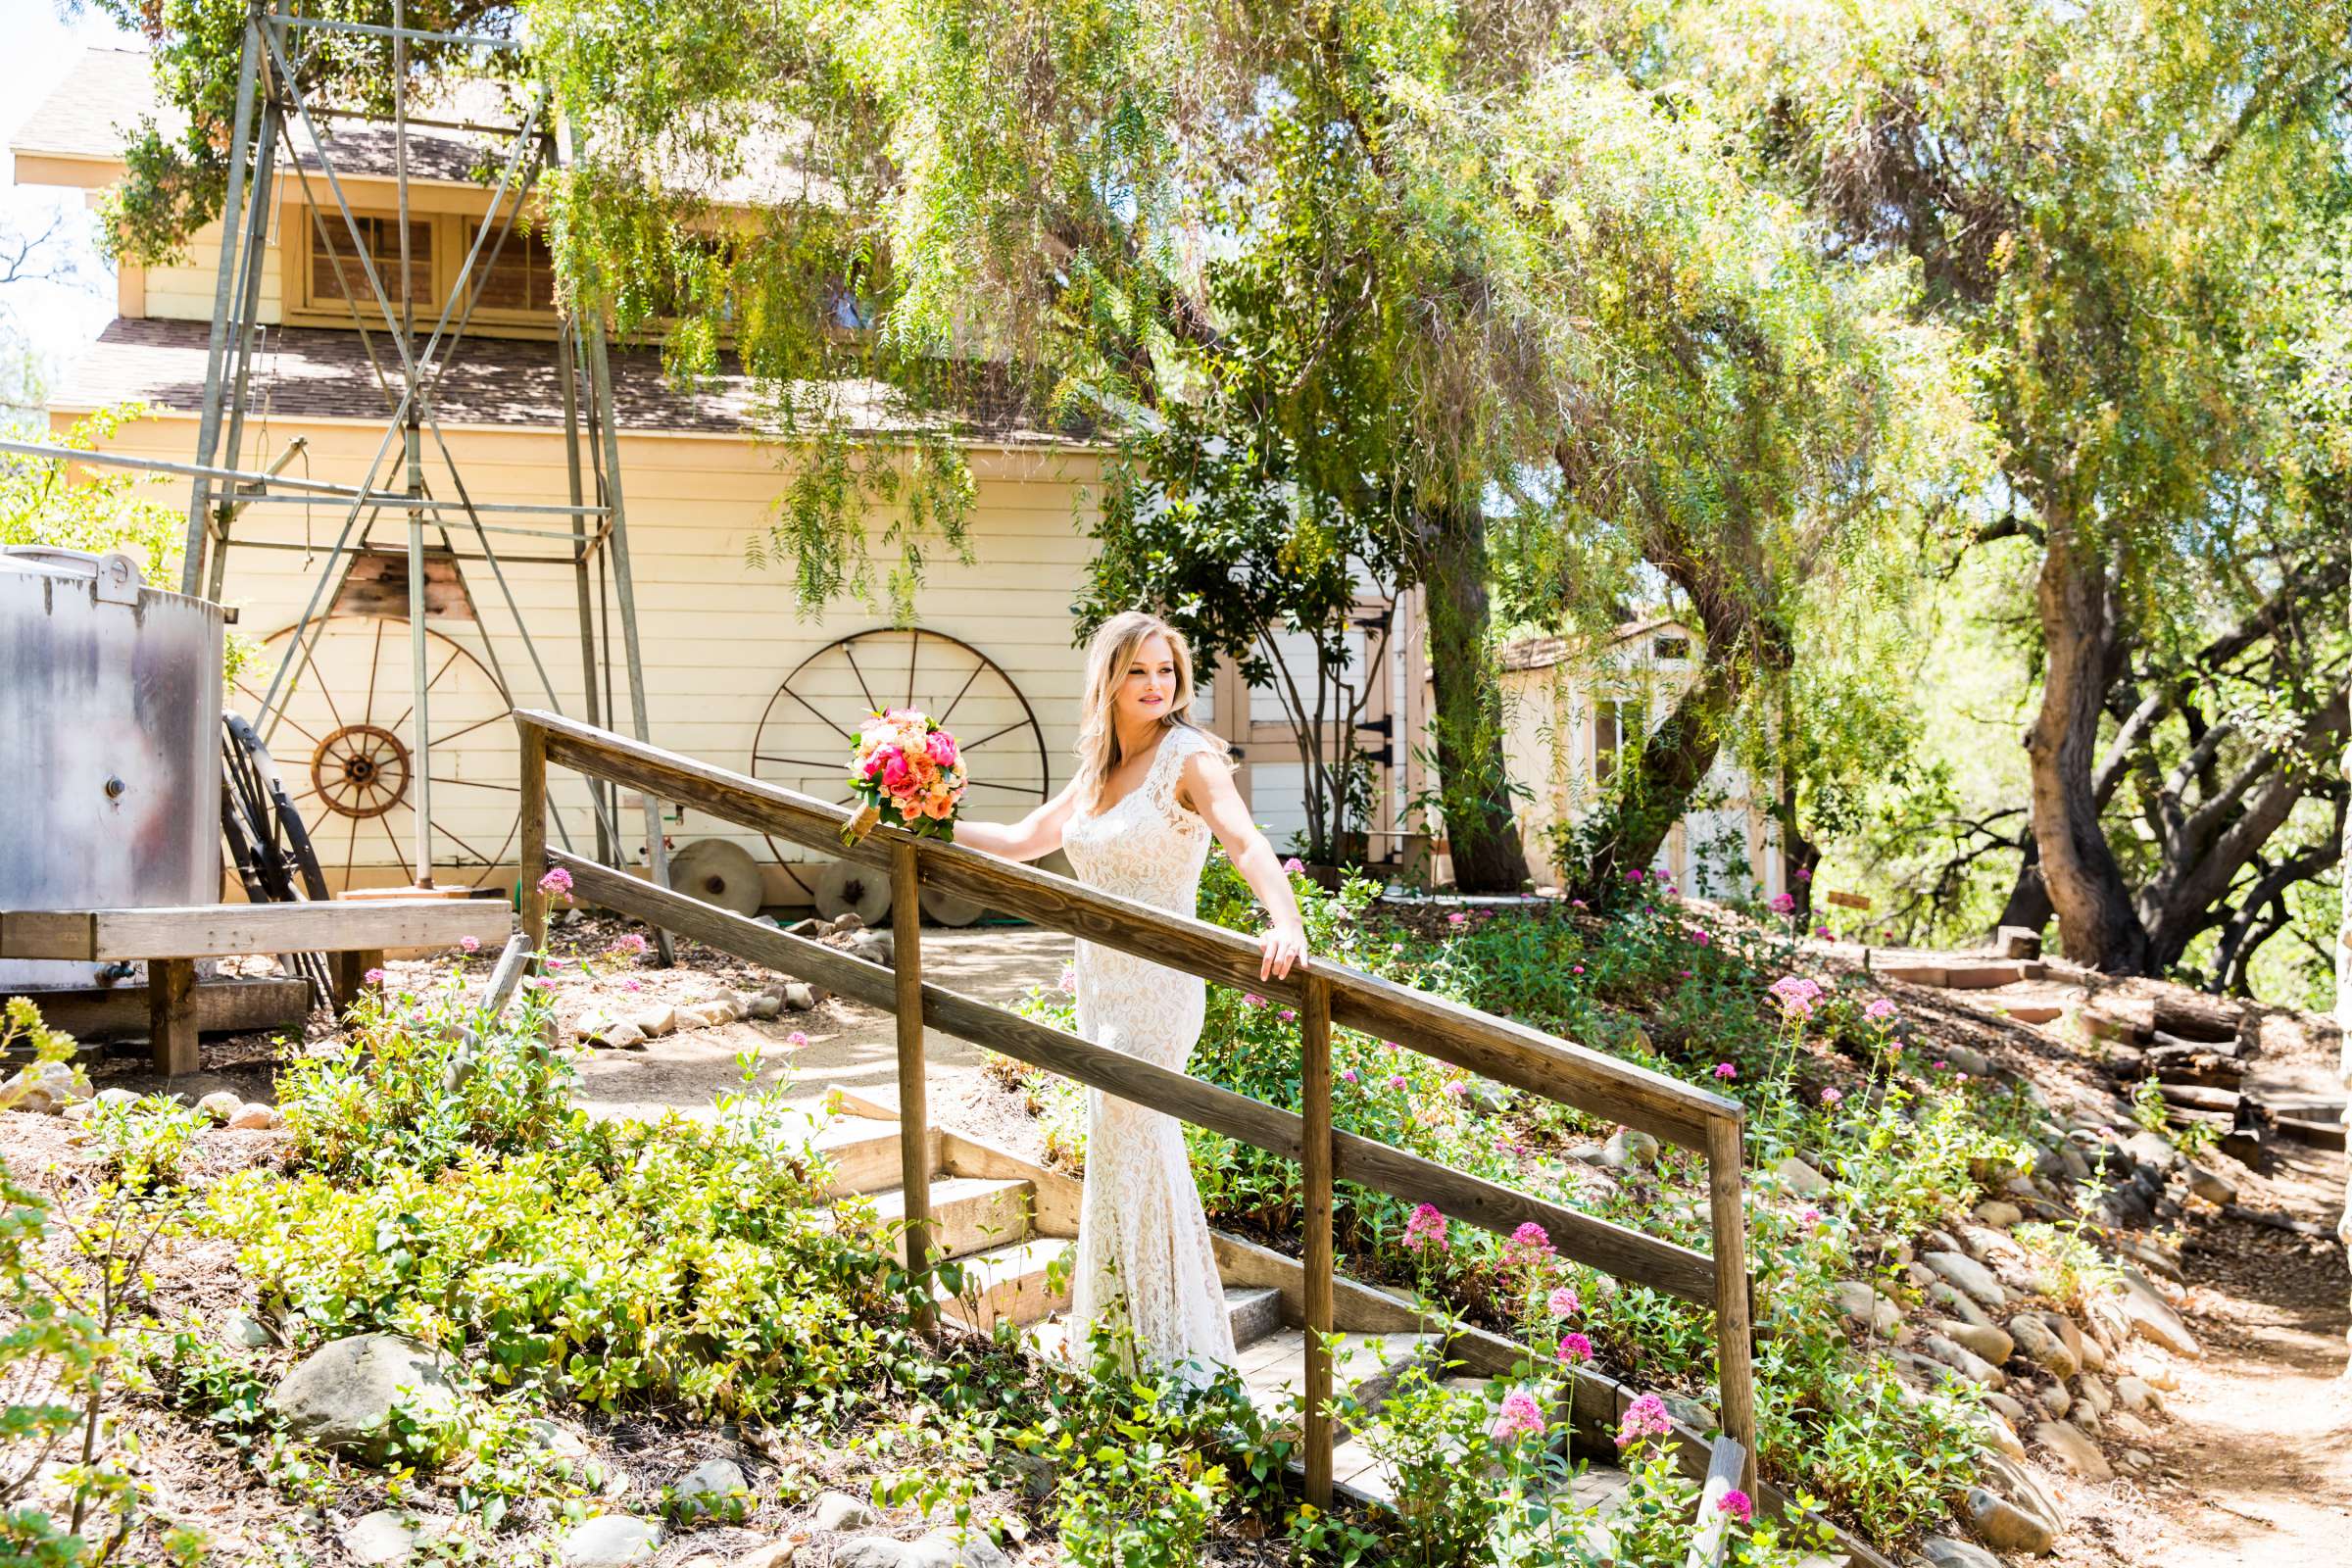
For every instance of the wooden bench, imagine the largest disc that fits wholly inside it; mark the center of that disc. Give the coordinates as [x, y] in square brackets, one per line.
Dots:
[170, 940]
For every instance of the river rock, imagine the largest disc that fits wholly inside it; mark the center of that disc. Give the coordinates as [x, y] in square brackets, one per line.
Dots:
[838, 1510]
[871, 1551]
[1867, 1310]
[2073, 1449]
[594, 1025]
[1984, 1340]
[2013, 1411]
[1963, 1361]
[388, 1536]
[2041, 1345]
[2054, 1398]
[1802, 1179]
[1489, 1097]
[658, 1020]
[625, 1036]
[800, 997]
[2000, 1214]
[2003, 1526]
[243, 1327]
[1970, 1277]
[220, 1104]
[2095, 1393]
[2212, 1188]
[874, 946]
[1627, 1147]
[610, 1541]
[254, 1117]
[1997, 1433]
[2153, 1319]
[2137, 1396]
[716, 1487]
[2153, 1149]
[342, 1395]
[768, 1004]
[950, 1548]
[1940, 1292]
[1948, 1551]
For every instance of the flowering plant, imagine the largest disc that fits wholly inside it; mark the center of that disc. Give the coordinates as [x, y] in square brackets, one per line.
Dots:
[909, 775]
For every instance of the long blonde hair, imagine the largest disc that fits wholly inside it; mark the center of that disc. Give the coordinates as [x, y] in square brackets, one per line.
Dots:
[1106, 660]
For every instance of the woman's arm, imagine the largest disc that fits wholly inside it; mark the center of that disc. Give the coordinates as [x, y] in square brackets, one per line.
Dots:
[1034, 835]
[1207, 787]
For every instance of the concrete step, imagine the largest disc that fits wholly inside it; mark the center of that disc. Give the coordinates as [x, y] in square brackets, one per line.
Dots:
[1367, 1365]
[1009, 1283]
[968, 1213]
[1254, 1312]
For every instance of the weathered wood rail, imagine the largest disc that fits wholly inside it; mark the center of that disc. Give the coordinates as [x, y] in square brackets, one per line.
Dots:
[1324, 994]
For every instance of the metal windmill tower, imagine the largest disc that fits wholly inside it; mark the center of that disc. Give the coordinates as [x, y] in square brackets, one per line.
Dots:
[588, 532]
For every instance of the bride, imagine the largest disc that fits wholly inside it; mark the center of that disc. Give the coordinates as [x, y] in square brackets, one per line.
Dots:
[1135, 820]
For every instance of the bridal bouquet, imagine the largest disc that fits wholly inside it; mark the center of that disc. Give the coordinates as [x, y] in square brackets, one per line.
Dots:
[907, 770]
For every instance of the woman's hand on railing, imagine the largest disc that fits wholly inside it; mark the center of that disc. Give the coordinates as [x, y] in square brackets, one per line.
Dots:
[1282, 945]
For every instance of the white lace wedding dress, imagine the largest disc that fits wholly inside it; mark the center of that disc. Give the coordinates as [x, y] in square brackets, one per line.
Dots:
[1141, 1237]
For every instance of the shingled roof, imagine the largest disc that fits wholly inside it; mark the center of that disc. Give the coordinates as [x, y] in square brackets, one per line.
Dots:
[100, 104]
[313, 372]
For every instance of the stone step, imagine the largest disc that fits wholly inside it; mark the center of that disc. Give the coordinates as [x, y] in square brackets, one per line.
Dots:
[1009, 1284]
[968, 1213]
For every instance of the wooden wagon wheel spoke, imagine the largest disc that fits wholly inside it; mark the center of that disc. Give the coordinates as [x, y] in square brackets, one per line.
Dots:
[944, 676]
[354, 712]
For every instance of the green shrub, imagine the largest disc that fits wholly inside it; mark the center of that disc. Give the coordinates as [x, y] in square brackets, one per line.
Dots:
[423, 1077]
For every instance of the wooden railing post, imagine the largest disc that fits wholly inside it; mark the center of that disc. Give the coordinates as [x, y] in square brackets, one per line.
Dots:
[914, 1117]
[1734, 1347]
[534, 837]
[1314, 1090]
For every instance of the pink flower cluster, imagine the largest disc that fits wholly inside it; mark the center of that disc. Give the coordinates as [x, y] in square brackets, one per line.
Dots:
[1563, 1302]
[1736, 1503]
[1880, 1010]
[1726, 1071]
[1522, 1417]
[1645, 1417]
[557, 884]
[629, 944]
[903, 758]
[1796, 994]
[1425, 1227]
[1529, 1244]
[1783, 904]
[1575, 1349]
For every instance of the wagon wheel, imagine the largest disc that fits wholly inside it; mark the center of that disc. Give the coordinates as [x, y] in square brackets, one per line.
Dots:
[342, 737]
[810, 725]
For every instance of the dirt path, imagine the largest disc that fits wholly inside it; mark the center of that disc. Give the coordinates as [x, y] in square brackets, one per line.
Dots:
[2259, 1455]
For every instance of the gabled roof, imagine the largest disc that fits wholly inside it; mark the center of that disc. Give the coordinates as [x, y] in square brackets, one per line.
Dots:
[311, 373]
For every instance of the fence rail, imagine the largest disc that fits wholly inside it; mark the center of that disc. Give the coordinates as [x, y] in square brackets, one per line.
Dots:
[1325, 994]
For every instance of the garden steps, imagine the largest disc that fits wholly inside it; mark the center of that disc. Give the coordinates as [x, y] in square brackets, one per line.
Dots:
[968, 1213]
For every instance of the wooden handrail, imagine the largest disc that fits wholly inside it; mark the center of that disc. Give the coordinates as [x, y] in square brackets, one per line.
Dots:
[1329, 993]
[1508, 1052]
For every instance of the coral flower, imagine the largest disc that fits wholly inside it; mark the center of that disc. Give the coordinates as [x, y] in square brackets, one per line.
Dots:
[1645, 1417]
[1522, 1417]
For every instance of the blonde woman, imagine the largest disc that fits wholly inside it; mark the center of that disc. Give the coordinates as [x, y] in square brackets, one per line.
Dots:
[1151, 788]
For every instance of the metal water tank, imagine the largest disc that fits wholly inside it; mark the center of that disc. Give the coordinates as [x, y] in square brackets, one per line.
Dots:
[110, 744]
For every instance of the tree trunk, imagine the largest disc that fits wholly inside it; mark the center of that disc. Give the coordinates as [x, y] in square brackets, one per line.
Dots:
[1481, 828]
[2096, 922]
[2028, 902]
[1673, 760]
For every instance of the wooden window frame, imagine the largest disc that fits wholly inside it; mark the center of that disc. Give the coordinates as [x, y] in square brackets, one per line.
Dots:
[302, 308]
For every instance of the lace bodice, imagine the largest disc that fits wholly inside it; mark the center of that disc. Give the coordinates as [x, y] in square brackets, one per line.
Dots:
[1144, 1247]
[1147, 847]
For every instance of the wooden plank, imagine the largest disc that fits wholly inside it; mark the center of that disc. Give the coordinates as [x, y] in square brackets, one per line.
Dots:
[48, 934]
[227, 930]
[1734, 1348]
[1314, 1094]
[1505, 1052]
[1631, 1255]
[533, 822]
[222, 1007]
[1850, 901]
[513, 958]
[1727, 1465]
[914, 1122]
[171, 1017]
